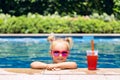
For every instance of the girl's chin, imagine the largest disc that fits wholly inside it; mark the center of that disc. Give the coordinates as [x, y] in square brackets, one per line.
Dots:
[59, 61]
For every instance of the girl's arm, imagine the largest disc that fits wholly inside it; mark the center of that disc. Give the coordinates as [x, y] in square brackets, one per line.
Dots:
[38, 65]
[67, 65]
[63, 65]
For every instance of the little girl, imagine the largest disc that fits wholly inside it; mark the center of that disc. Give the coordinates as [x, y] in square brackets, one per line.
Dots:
[59, 51]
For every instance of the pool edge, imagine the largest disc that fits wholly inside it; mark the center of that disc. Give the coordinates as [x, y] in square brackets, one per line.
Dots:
[78, 71]
[60, 34]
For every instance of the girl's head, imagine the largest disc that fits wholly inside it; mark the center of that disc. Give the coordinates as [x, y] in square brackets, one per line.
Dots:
[59, 48]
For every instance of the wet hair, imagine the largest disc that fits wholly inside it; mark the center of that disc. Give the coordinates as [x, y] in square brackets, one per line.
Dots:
[52, 39]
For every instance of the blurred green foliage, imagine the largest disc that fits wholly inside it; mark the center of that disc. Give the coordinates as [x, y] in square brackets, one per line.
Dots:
[117, 8]
[35, 23]
[63, 7]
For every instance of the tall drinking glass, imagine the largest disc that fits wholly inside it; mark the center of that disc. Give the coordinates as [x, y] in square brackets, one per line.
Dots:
[92, 59]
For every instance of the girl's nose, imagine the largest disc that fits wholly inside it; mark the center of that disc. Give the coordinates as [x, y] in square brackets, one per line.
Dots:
[60, 55]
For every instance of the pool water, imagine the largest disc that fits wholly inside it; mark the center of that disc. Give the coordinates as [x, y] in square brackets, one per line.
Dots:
[19, 52]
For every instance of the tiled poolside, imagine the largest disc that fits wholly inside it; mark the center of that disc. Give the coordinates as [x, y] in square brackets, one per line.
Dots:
[75, 74]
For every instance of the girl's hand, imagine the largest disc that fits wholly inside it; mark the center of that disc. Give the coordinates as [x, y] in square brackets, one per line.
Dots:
[52, 67]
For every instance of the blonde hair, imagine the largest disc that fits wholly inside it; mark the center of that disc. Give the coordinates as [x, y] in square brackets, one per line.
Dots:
[53, 40]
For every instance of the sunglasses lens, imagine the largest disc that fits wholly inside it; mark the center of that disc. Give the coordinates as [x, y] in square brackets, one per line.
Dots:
[64, 53]
[56, 53]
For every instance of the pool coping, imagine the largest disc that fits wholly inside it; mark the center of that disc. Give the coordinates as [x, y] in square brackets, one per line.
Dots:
[74, 74]
[78, 71]
[59, 35]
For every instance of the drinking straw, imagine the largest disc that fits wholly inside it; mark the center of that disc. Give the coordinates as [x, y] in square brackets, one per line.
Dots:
[92, 46]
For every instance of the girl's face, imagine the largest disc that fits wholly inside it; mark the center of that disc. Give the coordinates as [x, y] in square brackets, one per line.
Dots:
[59, 52]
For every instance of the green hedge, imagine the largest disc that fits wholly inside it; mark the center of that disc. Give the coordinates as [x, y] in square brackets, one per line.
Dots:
[116, 8]
[35, 23]
[63, 7]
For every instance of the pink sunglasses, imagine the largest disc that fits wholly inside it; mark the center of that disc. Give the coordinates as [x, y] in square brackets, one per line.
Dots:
[57, 53]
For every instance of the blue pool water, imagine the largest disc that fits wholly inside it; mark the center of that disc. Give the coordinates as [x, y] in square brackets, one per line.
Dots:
[19, 52]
